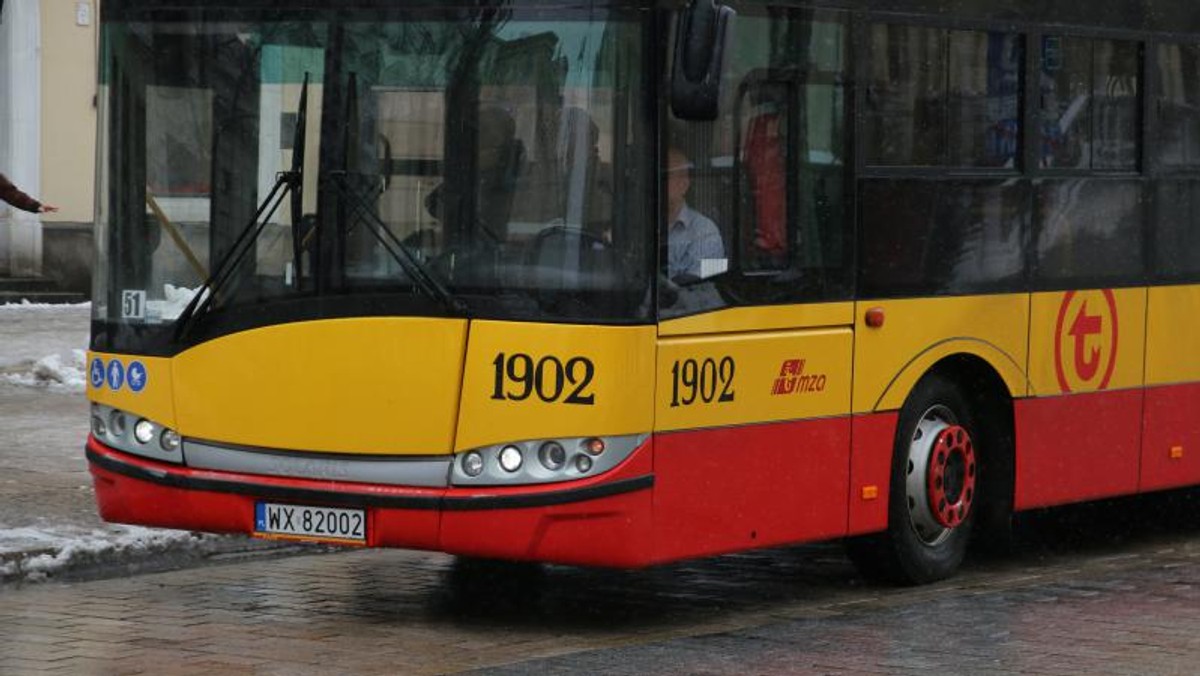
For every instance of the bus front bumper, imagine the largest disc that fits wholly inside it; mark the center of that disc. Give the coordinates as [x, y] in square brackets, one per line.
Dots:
[605, 520]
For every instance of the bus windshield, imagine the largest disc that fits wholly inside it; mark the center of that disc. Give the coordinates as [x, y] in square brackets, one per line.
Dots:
[307, 163]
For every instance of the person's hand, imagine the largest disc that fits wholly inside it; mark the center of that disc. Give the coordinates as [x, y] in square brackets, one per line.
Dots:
[47, 209]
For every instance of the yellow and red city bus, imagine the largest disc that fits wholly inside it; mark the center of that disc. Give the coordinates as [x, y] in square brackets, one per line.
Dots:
[622, 283]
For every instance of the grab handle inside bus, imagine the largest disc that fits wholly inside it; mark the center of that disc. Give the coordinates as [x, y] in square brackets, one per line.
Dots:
[700, 39]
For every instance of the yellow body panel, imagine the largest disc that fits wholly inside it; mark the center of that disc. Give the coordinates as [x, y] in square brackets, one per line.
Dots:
[1086, 341]
[916, 333]
[376, 385]
[154, 401]
[500, 403]
[765, 318]
[757, 377]
[1172, 325]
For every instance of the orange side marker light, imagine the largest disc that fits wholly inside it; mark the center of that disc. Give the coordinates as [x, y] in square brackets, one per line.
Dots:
[1177, 452]
[874, 317]
[870, 492]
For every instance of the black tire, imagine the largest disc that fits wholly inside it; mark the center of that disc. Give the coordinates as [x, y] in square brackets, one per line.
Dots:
[928, 528]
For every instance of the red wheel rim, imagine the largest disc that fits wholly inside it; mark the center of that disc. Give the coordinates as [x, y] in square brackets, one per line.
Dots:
[951, 482]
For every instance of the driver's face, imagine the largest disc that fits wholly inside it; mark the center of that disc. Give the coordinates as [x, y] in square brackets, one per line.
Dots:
[679, 179]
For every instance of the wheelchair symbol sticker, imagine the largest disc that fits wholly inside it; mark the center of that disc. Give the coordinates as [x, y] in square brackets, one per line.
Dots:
[96, 375]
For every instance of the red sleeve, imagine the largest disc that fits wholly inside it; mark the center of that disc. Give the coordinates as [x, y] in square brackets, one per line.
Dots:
[9, 193]
[768, 179]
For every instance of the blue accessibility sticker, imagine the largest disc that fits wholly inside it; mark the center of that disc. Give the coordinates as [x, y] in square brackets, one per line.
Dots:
[116, 374]
[96, 373]
[136, 376]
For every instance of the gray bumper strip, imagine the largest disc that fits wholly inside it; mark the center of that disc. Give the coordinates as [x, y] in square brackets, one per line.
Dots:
[423, 471]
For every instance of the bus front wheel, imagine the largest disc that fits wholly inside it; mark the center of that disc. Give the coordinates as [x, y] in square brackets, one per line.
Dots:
[933, 489]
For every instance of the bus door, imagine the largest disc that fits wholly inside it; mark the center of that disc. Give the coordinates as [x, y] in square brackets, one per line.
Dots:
[752, 428]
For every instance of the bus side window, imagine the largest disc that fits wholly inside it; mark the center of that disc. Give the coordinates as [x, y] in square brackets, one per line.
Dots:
[763, 237]
[770, 171]
[1090, 93]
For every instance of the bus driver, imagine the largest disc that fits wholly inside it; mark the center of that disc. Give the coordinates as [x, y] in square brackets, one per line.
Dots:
[694, 246]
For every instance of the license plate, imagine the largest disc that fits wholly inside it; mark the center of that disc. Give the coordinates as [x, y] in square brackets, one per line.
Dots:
[304, 522]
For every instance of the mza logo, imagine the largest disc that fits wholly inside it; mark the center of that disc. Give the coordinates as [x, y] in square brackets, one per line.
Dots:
[793, 379]
[1085, 340]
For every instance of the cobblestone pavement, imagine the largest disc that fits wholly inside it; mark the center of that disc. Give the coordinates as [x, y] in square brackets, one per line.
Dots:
[48, 517]
[41, 453]
[1103, 602]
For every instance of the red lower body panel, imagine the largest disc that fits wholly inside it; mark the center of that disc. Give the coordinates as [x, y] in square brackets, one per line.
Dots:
[608, 531]
[871, 471]
[1077, 447]
[1171, 437]
[678, 496]
[694, 493]
[729, 489]
[512, 523]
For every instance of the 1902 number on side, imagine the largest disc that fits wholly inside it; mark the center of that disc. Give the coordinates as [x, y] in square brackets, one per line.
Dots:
[702, 381]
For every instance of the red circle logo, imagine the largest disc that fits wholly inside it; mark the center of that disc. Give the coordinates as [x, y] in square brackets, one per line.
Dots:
[1085, 340]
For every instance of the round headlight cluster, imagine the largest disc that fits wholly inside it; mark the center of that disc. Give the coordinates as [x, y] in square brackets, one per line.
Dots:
[118, 429]
[511, 458]
[472, 464]
[541, 461]
[143, 431]
[552, 455]
[99, 427]
[117, 422]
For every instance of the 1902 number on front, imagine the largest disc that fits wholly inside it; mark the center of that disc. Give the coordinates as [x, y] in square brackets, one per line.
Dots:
[519, 376]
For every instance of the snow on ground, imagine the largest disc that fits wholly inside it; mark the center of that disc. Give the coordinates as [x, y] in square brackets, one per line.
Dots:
[42, 350]
[34, 554]
[43, 345]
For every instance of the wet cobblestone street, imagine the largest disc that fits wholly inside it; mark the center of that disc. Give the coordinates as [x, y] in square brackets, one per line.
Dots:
[1106, 605]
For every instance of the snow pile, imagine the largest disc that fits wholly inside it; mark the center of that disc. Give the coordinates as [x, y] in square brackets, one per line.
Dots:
[41, 345]
[33, 554]
[24, 304]
[52, 371]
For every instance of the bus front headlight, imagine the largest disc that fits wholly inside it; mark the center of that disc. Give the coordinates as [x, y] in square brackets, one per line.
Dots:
[511, 458]
[143, 431]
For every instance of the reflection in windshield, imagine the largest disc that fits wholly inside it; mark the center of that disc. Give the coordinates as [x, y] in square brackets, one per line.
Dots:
[493, 159]
[515, 196]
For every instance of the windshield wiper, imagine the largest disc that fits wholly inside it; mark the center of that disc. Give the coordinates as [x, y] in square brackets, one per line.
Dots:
[361, 208]
[397, 249]
[286, 181]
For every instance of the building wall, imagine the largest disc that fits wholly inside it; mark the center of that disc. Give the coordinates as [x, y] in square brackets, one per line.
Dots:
[20, 131]
[68, 141]
[68, 138]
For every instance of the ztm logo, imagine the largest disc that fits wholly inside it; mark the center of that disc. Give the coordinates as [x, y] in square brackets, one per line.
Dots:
[793, 379]
[1085, 339]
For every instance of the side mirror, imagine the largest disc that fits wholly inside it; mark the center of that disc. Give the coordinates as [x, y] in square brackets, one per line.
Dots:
[700, 39]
